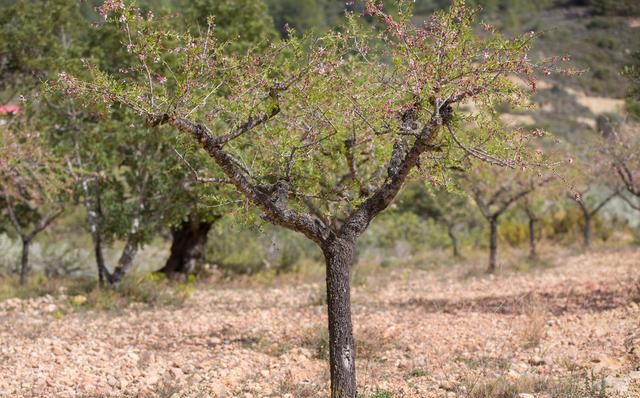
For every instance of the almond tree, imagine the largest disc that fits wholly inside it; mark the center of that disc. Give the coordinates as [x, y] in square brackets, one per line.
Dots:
[319, 134]
[627, 165]
[531, 209]
[32, 185]
[494, 193]
[624, 146]
[533, 204]
[595, 185]
[244, 25]
[441, 205]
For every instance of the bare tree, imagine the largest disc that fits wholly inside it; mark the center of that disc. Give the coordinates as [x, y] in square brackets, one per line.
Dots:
[590, 205]
[494, 193]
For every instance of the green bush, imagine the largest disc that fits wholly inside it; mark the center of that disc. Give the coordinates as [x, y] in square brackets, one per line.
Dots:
[633, 107]
[514, 234]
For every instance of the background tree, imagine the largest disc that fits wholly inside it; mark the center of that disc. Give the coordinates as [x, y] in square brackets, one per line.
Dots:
[531, 208]
[494, 192]
[243, 24]
[441, 205]
[624, 145]
[304, 15]
[33, 41]
[595, 186]
[544, 189]
[246, 26]
[321, 135]
[622, 149]
[32, 183]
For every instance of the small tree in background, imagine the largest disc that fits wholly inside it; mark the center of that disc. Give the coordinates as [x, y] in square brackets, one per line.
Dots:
[531, 205]
[624, 146]
[595, 185]
[320, 134]
[544, 189]
[32, 183]
[441, 205]
[246, 26]
[35, 37]
[494, 192]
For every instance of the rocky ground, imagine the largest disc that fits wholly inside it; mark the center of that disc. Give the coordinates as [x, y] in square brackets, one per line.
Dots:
[420, 334]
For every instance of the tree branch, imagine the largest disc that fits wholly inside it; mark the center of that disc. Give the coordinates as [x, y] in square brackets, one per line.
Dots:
[44, 223]
[358, 221]
[12, 216]
[630, 203]
[604, 202]
[272, 205]
[627, 179]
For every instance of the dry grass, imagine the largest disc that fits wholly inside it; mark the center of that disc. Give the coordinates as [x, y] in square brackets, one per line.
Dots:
[533, 330]
[288, 388]
[574, 386]
[373, 343]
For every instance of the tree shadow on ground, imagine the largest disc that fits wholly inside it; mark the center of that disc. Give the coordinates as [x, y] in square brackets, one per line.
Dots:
[597, 299]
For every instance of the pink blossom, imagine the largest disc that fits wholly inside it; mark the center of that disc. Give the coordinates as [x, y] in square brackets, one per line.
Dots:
[9, 109]
[108, 6]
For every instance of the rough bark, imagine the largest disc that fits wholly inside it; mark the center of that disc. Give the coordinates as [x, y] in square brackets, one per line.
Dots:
[24, 261]
[103, 273]
[493, 245]
[339, 258]
[454, 241]
[188, 246]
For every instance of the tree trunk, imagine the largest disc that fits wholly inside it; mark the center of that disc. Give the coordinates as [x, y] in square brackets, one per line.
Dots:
[532, 239]
[124, 263]
[103, 273]
[94, 213]
[187, 247]
[454, 241]
[586, 231]
[340, 256]
[493, 246]
[24, 261]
